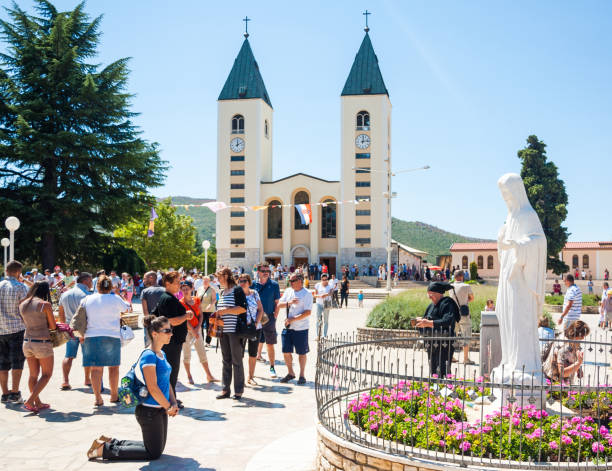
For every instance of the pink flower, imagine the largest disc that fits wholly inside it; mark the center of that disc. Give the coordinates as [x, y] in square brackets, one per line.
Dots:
[603, 431]
[374, 427]
[597, 447]
[404, 432]
[442, 443]
[465, 446]
[553, 445]
[566, 439]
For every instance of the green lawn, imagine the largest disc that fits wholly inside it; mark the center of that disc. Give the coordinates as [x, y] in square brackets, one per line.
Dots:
[396, 311]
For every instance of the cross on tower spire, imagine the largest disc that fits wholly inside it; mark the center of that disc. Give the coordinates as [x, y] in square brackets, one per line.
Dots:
[366, 14]
[246, 26]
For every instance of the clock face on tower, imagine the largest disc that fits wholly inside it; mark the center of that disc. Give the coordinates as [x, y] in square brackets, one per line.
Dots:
[237, 144]
[362, 141]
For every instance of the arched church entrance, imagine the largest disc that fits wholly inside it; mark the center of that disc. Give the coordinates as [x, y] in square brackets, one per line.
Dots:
[300, 255]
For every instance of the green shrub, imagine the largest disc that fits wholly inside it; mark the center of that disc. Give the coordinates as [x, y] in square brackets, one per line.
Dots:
[587, 300]
[473, 271]
[396, 311]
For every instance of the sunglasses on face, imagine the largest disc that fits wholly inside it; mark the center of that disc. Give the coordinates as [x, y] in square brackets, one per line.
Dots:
[264, 271]
[165, 331]
[243, 281]
[293, 281]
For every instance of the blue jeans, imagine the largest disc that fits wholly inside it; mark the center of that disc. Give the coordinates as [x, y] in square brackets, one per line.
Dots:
[322, 316]
[72, 347]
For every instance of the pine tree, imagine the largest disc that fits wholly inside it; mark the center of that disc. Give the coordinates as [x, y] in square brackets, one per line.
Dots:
[72, 164]
[547, 195]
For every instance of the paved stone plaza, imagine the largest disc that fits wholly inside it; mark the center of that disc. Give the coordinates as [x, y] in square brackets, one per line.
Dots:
[271, 428]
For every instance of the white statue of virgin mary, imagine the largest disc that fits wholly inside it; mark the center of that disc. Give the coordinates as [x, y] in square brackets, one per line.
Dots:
[521, 246]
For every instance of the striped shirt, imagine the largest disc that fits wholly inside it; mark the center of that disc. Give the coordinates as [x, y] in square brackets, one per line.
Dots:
[226, 301]
[574, 294]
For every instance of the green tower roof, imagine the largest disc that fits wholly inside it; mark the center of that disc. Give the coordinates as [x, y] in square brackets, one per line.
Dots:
[244, 80]
[365, 77]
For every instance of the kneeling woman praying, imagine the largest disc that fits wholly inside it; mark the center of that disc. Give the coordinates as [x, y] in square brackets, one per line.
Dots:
[152, 414]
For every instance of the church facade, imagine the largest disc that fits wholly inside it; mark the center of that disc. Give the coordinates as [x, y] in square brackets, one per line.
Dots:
[348, 215]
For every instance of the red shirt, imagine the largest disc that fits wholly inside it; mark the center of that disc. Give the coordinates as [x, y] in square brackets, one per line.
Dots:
[195, 308]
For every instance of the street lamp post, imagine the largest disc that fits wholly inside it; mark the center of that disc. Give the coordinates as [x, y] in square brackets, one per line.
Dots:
[206, 246]
[389, 195]
[12, 224]
[5, 243]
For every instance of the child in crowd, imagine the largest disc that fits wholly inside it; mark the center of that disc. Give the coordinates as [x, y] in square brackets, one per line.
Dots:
[360, 298]
[490, 305]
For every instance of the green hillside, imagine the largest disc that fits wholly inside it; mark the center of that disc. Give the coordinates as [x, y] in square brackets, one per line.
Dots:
[419, 235]
[203, 218]
[431, 239]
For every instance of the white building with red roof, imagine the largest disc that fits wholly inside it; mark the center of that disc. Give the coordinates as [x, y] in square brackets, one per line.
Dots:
[591, 257]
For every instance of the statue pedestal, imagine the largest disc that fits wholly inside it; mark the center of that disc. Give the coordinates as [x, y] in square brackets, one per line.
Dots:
[490, 343]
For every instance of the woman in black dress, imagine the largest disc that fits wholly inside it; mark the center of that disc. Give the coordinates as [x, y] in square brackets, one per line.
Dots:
[344, 291]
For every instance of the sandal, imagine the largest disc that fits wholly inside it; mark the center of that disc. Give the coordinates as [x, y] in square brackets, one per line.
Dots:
[92, 453]
[43, 406]
[99, 404]
[65, 387]
[212, 380]
[252, 382]
[29, 408]
[190, 379]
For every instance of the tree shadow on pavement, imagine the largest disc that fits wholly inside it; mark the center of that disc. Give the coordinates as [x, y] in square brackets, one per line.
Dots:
[174, 462]
[248, 402]
[276, 388]
[51, 415]
[202, 414]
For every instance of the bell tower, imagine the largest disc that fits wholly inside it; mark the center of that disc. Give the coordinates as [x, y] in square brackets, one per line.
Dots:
[244, 159]
[366, 155]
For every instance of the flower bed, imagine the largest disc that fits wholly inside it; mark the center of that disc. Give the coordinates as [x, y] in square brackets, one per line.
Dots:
[419, 414]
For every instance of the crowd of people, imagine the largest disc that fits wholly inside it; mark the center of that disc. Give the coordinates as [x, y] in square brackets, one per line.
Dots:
[184, 310]
[179, 310]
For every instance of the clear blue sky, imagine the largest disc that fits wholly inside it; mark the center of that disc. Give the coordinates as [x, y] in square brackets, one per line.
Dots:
[469, 81]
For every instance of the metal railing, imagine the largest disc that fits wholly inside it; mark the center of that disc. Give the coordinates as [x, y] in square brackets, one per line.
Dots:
[383, 395]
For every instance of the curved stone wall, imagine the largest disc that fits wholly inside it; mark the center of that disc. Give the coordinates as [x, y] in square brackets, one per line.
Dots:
[337, 454]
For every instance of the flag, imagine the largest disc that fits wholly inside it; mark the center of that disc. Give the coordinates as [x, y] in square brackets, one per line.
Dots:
[215, 206]
[152, 219]
[305, 213]
[257, 208]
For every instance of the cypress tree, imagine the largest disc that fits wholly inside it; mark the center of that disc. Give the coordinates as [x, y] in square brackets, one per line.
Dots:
[547, 195]
[72, 164]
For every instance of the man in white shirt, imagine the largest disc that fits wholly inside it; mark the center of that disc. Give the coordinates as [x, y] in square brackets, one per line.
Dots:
[323, 295]
[334, 284]
[463, 295]
[198, 283]
[37, 276]
[116, 281]
[298, 302]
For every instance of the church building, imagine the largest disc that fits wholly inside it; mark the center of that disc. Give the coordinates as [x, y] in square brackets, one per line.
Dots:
[348, 215]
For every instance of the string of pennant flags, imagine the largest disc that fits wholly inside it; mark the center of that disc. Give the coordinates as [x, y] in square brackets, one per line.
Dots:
[304, 210]
[216, 206]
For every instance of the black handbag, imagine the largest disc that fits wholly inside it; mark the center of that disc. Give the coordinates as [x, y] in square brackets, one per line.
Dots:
[244, 329]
